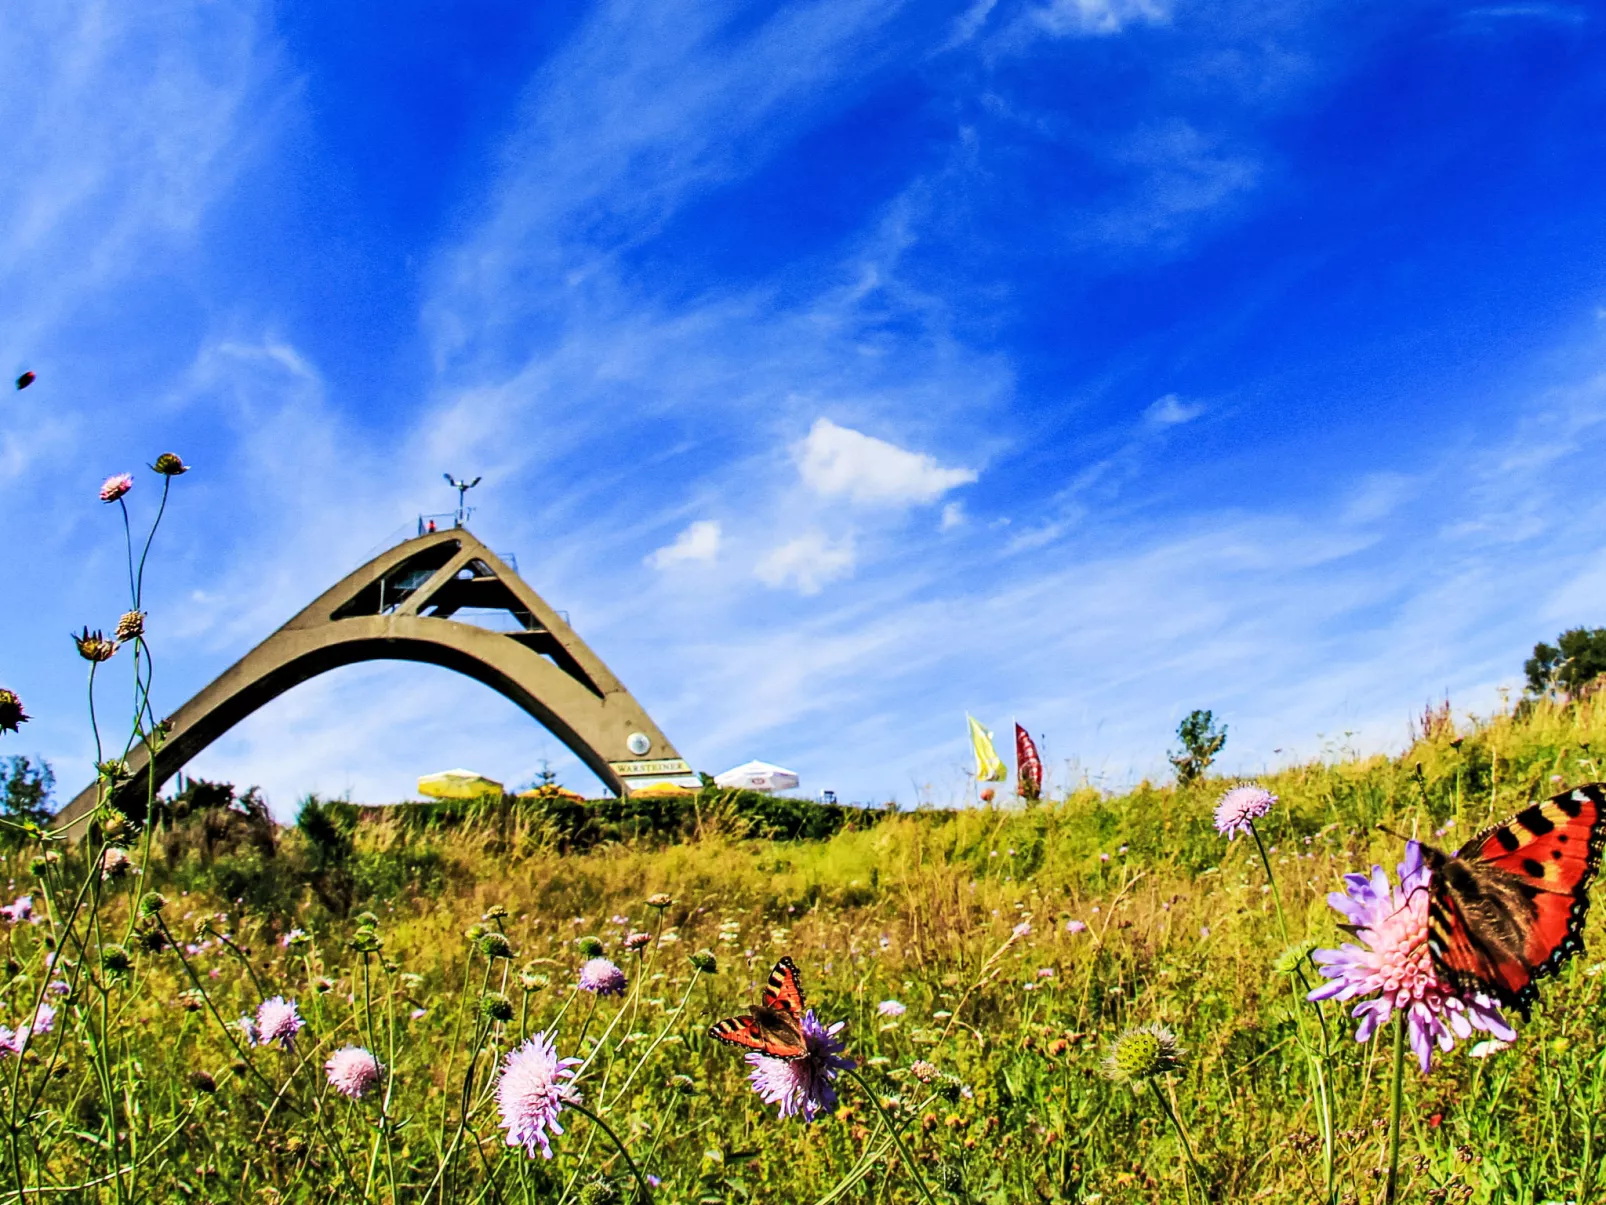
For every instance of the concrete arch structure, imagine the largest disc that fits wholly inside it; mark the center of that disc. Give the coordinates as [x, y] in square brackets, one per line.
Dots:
[401, 606]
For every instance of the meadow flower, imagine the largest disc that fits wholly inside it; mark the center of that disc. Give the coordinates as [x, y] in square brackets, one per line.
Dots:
[803, 1085]
[1024, 929]
[891, 1008]
[704, 961]
[352, 1071]
[602, 977]
[169, 465]
[1075, 926]
[115, 486]
[291, 937]
[1240, 807]
[11, 712]
[532, 1092]
[923, 1071]
[659, 900]
[11, 1043]
[278, 1021]
[1395, 963]
[44, 1019]
[130, 626]
[638, 941]
[19, 910]
[1143, 1052]
[115, 863]
[248, 1029]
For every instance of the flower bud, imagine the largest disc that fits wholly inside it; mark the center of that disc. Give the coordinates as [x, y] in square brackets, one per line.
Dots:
[704, 961]
[590, 947]
[495, 945]
[169, 465]
[494, 1006]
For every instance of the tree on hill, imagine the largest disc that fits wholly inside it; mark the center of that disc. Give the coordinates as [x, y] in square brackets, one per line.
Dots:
[25, 787]
[1576, 659]
[1201, 741]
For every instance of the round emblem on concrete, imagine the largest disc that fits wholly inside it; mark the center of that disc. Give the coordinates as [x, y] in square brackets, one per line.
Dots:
[638, 743]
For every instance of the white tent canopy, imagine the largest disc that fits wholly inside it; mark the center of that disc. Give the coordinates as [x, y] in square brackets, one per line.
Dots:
[758, 776]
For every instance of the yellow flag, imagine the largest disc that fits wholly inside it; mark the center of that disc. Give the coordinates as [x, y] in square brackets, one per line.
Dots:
[989, 766]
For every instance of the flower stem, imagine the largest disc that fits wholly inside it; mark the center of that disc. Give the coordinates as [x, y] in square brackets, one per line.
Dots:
[641, 1183]
[1187, 1147]
[903, 1151]
[1391, 1193]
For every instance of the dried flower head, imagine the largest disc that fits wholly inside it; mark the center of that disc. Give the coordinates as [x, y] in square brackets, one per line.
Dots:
[1240, 807]
[115, 961]
[660, 900]
[923, 1071]
[1143, 1052]
[495, 945]
[278, 1021]
[352, 1071]
[602, 977]
[494, 1006]
[532, 1092]
[93, 646]
[130, 626]
[115, 486]
[496, 912]
[169, 465]
[11, 713]
[115, 863]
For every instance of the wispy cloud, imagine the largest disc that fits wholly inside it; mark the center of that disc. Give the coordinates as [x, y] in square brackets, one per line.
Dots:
[1172, 411]
[808, 562]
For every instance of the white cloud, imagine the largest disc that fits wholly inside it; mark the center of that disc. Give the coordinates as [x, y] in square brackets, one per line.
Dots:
[953, 515]
[807, 562]
[840, 462]
[1095, 18]
[699, 543]
[1172, 411]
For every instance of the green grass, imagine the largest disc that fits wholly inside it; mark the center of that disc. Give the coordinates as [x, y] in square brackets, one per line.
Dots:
[916, 907]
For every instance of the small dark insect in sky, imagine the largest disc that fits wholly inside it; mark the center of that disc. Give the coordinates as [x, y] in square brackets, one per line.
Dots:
[25, 380]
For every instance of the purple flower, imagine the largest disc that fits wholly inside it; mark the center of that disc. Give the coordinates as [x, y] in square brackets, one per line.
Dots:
[1075, 926]
[891, 1008]
[12, 1043]
[803, 1085]
[1241, 807]
[277, 1021]
[248, 1029]
[19, 910]
[601, 976]
[44, 1019]
[531, 1094]
[116, 486]
[352, 1071]
[1395, 963]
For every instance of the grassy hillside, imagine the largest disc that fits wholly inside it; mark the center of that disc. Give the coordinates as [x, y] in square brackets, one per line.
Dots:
[962, 917]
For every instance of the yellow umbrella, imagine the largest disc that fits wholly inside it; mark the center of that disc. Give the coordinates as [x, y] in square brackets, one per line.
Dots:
[458, 784]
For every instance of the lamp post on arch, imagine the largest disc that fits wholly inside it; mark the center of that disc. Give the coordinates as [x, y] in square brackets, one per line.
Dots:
[462, 488]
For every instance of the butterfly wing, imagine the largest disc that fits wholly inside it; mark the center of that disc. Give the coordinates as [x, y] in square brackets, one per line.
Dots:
[765, 1030]
[774, 1027]
[1509, 909]
[784, 992]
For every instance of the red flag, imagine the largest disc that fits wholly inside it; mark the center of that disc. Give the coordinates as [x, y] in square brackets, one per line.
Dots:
[1028, 766]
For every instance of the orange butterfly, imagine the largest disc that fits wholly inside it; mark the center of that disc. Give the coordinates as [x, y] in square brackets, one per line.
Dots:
[1508, 907]
[774, 1027]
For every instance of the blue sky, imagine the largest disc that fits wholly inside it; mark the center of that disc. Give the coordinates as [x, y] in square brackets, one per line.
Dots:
[839, 367]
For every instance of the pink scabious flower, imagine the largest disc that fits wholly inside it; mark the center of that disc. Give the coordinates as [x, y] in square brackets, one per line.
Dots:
[532, 1092]
[638, 941]
[891, 1008]
[116, 486]
[1240, 807]
[44, 1019]
[352, 1071]
[1075, 926]
[1024, 929]
[602, 977]
[1397, 966]
[21, 909]
[12, 1043]
[277, 1021]
[803, 1085]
